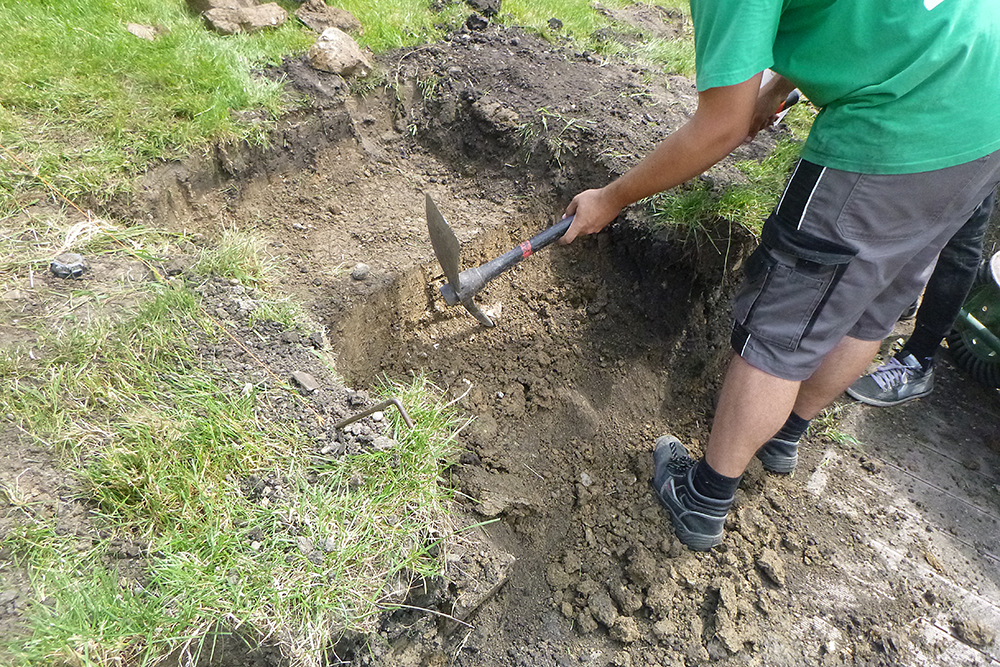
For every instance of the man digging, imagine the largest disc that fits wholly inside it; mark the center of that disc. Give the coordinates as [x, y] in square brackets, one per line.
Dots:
[906, 146]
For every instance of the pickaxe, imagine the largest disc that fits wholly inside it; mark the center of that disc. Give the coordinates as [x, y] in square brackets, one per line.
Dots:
[461, 287]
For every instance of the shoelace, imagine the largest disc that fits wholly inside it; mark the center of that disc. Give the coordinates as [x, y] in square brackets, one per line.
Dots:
[891, 373]
[679, 463]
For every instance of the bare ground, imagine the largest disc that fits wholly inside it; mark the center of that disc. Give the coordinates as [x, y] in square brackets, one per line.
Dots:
[882, 549]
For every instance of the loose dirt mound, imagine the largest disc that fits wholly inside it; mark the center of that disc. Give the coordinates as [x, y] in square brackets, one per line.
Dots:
[599, 348]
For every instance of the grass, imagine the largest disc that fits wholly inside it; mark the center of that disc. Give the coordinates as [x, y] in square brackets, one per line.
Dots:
[87, 106]
[166, 445]
[692, 208]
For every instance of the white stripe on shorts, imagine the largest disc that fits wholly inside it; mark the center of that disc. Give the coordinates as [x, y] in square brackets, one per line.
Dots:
[805, 208]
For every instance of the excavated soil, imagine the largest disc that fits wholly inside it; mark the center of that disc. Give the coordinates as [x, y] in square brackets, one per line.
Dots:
[882, 549]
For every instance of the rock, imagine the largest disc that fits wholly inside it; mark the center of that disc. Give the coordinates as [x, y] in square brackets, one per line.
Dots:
[319, 16]
[202, 6]
[68, 265]
[555, 24]
[557, 577]
[660, 599]
[308, 383]
[145, 32]
[603, 608]
[771, 565]
[232, 21]
[626, 630]
[8, 596]
[585, 622]
[642, 567]
[664, 629]
[487, 8]
[628, 600]
[305, 545]
[360, 271]
[973, 632]
[336, 52]
[383, 443]
[476, 23]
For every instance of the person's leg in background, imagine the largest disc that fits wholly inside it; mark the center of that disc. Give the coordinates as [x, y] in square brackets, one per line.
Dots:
[909, 374]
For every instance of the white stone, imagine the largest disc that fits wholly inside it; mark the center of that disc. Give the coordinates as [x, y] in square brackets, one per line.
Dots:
[336, 52]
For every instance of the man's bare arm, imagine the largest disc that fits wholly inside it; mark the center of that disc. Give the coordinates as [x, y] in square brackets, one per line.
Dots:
[721, 122]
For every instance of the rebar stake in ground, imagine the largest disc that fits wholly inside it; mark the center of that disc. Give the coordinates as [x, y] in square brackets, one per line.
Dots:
[375, 408]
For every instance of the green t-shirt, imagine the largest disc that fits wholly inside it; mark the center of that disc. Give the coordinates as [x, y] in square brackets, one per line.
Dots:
[904, 85]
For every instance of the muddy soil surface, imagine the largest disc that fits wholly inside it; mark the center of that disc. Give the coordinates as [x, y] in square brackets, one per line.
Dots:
[882, 549]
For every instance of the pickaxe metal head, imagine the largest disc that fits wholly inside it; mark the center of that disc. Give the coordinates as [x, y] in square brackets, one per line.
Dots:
[463, 286]
[448, 252]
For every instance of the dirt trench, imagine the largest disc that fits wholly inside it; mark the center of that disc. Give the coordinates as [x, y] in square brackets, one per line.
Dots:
[599, 348]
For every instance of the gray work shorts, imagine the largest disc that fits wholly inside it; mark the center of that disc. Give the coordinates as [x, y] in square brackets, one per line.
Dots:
[843, 254]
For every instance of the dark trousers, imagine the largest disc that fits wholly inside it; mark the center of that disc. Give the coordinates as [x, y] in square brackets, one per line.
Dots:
[950, 283]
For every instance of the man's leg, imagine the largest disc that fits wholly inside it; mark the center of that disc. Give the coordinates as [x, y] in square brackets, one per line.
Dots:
[842, 255]
[839, 369]
[753, 405]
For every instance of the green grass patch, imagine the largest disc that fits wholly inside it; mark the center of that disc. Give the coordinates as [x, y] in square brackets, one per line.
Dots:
[167, 449]
[691, 208]
[86, 104]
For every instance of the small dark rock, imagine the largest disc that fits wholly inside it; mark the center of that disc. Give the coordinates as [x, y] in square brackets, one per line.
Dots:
[555, 24]
[488, 8]
[68, 265]
[476, 22]
[469, 459]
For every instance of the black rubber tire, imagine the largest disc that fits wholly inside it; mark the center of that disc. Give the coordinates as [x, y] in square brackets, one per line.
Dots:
[984, 372]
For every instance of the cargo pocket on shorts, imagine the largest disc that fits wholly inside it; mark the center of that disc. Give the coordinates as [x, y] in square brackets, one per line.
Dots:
[788, 279]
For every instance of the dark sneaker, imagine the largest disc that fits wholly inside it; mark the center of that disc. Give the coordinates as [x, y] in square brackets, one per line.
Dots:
[698, 520]
[894, 382]
[779, 455]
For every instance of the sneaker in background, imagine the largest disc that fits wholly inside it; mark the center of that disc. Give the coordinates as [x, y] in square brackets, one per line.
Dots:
[894, 382]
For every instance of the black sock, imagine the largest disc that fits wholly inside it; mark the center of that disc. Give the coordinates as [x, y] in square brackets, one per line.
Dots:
[925, 361]
[793, 429]
[709, 483]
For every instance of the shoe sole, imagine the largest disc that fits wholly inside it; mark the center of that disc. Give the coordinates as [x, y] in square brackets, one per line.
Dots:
[885, 404]
[693, 541]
